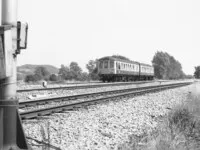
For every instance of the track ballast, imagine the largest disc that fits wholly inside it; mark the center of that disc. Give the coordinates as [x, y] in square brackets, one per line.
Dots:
[120, 94]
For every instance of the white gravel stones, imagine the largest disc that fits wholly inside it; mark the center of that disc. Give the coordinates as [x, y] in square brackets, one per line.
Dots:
[105, 126]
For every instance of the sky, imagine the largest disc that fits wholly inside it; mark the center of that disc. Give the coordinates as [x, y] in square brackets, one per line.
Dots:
[62, 31]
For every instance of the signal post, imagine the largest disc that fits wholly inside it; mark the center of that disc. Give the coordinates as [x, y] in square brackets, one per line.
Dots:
[13, 37]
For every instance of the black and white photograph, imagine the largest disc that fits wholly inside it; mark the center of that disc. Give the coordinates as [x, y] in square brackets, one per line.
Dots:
[99, 75]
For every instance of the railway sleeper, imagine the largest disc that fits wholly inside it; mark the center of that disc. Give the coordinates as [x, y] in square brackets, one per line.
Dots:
[68, 108]
[44, 113]
[30, 116]
[77, 106]
[57, 110]
[41, 103]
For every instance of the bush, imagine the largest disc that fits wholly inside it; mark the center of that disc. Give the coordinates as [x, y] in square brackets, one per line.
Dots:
[29, 78]
[53, 77]
[32, 78]
[20, 76]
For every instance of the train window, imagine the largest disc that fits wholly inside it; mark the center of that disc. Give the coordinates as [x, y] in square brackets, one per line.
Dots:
[106, 64]
[111, 64]
[101, 64]
[118, 65]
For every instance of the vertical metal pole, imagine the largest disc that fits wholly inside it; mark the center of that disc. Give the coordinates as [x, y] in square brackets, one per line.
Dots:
[0, 11]
[1, 110]
[9, 17]
[1, 129]
[11, 123]
[8, 85]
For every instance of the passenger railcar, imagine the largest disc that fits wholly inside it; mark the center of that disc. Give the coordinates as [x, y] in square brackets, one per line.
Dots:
[113, 69]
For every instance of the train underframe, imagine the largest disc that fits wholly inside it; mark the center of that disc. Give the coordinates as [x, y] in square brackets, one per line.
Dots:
[123, 78]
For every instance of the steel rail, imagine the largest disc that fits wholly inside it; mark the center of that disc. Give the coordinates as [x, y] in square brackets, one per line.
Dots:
[83, 86]
[73, 97]
[60, 108]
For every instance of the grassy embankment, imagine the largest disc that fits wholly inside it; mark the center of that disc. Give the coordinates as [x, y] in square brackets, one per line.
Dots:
[179, 130]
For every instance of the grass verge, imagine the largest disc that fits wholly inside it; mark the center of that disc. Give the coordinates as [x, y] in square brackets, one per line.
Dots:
[179, 130]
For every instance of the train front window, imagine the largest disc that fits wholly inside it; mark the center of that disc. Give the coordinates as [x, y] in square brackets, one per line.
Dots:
[106, 64]
[111, 64]
[101, 65]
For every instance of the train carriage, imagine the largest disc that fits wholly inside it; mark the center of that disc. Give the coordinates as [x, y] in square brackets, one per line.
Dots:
[114, 69]
[146, 72]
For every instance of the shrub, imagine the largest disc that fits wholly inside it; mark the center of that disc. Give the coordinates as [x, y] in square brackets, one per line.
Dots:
[32, 78]
[53, 77]
[20, 76]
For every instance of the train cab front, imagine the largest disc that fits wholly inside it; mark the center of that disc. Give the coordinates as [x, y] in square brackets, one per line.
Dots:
[106, 69]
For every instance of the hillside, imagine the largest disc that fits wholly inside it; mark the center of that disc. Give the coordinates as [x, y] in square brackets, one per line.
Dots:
[29, 69]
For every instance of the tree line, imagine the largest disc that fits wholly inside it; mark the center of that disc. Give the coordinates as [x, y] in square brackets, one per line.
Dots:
[165, 67]
[71, 72]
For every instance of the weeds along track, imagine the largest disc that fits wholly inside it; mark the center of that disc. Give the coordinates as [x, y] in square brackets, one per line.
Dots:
[73, 87]
[59, 104]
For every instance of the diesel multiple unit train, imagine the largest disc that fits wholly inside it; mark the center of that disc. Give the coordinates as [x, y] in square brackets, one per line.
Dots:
[113, 69]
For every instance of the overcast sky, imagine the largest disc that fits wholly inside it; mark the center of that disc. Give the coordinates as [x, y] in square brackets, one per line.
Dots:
[61, 31]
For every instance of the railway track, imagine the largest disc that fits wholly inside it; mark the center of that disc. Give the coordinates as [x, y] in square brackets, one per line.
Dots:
[84, 86]
[115, 95]
[74, 97]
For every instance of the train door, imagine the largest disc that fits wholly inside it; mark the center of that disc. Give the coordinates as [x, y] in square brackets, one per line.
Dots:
[115, 67]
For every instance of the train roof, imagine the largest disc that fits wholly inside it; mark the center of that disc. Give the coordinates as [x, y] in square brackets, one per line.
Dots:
[117, 59]
[123, 60]
[146, 64]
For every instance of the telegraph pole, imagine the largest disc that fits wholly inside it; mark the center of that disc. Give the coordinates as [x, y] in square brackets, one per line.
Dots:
[11, 132]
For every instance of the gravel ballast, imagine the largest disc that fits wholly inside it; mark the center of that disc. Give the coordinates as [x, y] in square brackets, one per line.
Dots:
[33, 95]
[107, 125]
